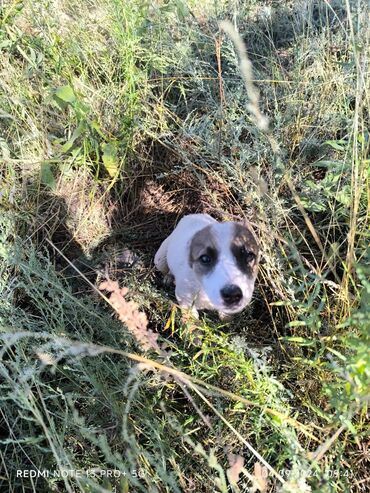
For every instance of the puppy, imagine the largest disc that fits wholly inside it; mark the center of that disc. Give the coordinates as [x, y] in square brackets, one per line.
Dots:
[214, 264]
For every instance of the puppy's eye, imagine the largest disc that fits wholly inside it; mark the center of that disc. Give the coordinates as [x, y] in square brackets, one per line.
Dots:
[205, 259]
[248, 255]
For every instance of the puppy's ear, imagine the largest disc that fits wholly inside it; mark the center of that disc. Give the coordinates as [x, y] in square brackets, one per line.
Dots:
[246, 224]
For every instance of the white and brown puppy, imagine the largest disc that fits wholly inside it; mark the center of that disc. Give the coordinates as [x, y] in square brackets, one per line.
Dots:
[214, 264]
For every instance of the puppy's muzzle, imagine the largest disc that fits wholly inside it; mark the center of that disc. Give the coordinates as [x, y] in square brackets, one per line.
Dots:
[231, 294]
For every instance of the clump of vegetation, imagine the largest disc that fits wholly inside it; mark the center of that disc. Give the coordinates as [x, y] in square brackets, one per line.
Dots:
[116, 119]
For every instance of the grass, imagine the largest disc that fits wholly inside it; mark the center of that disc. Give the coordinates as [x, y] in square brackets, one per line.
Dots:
[116, 119]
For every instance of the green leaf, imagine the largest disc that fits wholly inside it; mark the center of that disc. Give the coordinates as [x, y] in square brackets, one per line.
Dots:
[95, 125]
[277, 419]
[301, 341]
[239, 405]
[347, 422]
[296, 323]
[313, 205]
[110, 160]
[337, 354]
[338, 145]
[327, 164]
[66, 94]
[82, 109]
[76, 133]
[182, 9]
[344, 196]
[280, 303]
[47, 176]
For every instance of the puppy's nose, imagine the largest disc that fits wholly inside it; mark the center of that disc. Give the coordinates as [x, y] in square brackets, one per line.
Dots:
[231, 294]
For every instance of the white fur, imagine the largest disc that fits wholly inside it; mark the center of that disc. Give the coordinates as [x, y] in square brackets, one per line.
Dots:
[194, 293]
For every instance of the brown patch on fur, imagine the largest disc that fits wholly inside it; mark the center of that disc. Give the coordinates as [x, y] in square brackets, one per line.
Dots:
[203, 243]
[245, 250]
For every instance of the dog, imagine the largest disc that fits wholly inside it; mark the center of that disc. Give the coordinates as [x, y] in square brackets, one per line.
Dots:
[214, 264]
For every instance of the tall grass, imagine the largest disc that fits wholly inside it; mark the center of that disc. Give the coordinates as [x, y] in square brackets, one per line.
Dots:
[117, 118]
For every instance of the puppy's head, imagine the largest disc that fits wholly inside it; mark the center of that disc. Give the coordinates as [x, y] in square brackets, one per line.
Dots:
[224, 258]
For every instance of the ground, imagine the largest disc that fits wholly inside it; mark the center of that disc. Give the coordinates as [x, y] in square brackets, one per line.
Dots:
[116, 119]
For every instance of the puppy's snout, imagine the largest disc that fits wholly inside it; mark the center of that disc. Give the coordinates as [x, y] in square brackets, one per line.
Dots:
[231, 294]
